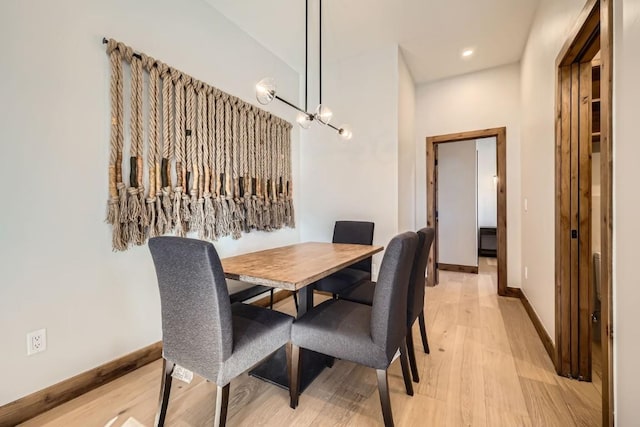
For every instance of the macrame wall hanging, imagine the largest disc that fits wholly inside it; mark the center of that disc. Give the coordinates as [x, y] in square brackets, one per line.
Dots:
[215, 164]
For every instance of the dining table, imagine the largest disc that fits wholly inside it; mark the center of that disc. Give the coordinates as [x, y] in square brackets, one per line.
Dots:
[294, 268]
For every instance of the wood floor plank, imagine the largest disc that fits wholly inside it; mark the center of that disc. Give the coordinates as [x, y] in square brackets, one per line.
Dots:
[499, 417]
[545, 404]
[466, 391]
[121, 397]
[487, 367]
[583, 399]
[494, 333]
[502, 385]
[502, 388]
[436, 368]
[469, 307]
[531, 359]
[425, 410]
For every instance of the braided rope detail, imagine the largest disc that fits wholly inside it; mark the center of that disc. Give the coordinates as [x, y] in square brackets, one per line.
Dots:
[117, 193]
[209, 223]
[135, 200]
[230, 173]
[153, 164]
[181, 169]
[190, 150]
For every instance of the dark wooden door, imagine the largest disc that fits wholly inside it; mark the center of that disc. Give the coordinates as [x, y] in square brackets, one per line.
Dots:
[573, 222]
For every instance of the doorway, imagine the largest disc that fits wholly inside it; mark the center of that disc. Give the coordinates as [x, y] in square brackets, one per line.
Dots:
[433, 142]
[584, 331]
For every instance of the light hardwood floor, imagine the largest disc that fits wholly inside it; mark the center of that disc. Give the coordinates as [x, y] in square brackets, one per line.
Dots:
[487, 367]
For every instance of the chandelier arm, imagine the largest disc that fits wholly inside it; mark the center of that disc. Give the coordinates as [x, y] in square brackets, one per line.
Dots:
[266, 90]
[291, 104]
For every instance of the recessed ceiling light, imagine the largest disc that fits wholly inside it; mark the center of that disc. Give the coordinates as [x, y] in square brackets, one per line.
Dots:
[467, 53]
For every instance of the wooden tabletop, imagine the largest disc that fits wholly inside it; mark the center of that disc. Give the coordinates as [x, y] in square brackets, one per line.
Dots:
[295, 266]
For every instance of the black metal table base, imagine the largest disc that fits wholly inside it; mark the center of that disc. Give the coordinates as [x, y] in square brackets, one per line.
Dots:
[274, 369]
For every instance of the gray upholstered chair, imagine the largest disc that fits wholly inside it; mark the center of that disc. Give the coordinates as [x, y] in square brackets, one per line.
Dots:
[358, 232]
[368, 335]
[201, 330]
[363, 294]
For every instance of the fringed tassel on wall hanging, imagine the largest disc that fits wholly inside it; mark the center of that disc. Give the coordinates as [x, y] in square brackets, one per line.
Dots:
[216, 165]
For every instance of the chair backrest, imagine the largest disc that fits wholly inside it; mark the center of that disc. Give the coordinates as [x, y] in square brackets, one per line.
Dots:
[388, 325]
[415, 305]
[358, 232]
[196, 313]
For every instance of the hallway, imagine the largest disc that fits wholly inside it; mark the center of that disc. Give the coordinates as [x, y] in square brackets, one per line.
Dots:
[487, 367]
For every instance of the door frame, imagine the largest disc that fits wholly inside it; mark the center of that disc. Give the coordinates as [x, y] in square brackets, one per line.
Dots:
[597, 16]
[432, 185]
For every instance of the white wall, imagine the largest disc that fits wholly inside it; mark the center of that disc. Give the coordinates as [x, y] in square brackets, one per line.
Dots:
[406, 149]
[57, 268]
[355, 180]
[626, 289]
[554, 19]
[487, 190]
[481, 100]
[457, 203]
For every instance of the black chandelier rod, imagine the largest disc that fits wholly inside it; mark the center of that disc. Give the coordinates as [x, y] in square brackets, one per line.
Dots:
[320, 47]
[306, 52]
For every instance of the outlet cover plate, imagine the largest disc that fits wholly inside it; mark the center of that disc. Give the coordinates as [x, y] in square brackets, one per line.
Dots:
[36, 341]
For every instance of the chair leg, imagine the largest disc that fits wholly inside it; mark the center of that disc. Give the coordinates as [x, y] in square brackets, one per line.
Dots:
[385, 399]
[222, 403]
[412, 357]
[271, 299]
[423, 332]
[293, 369]
[330, 361]
[408, 385]
[165, 390]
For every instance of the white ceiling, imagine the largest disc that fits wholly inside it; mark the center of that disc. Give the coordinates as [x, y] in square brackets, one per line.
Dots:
[431, 33]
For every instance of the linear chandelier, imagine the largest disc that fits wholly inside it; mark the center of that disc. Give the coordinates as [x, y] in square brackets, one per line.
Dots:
[266, 88]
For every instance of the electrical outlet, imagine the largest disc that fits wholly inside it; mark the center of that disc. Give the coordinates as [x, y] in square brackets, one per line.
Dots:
[36, 341]
[526, 273]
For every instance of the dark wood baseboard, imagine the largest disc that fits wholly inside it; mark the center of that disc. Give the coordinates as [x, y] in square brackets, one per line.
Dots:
[458, 268]
[513, 293]
[542, 333]
[32, 405]
[27, 407]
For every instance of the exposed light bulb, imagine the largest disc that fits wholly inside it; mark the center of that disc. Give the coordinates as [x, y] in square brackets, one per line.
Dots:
[323, 114]
[345, 132]
[266, 90]
[466, 53]
[304, 120]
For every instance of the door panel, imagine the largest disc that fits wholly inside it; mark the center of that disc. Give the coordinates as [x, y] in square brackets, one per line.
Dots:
[573, 222]
[574, 216]
[584, 225]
